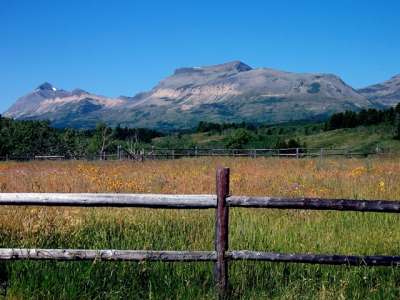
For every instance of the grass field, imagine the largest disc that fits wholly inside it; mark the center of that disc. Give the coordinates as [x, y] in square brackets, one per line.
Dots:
[252, 229]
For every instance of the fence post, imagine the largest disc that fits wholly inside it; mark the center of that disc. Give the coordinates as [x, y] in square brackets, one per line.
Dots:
[221, 232]
[297, 153]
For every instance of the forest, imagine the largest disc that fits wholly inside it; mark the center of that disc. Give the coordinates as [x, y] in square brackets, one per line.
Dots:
[24, 139]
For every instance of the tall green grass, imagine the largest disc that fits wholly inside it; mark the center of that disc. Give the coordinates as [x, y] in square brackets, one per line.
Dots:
[267, 230]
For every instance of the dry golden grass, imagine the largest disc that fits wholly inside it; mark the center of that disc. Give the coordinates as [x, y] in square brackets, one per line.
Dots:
[338, 178]
[287, 177]
[269, 230]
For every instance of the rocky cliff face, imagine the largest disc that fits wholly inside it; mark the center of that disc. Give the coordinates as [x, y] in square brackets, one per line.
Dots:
[230, 92]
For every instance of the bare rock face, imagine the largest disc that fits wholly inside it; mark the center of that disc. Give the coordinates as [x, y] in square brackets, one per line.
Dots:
[230, 92]
[386, 93]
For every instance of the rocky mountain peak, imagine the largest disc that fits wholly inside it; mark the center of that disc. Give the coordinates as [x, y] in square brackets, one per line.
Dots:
[46, 87]
[79, 92]
[229, 67]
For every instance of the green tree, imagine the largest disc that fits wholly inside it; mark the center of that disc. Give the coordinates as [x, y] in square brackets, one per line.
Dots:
[102, 139]
[239, 138]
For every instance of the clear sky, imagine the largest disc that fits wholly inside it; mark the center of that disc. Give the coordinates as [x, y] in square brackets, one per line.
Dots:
[123, 47]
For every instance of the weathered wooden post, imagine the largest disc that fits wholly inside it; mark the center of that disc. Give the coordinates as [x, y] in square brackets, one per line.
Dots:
[297, 153]
[103, 155]
[221, 232]
[195, 151]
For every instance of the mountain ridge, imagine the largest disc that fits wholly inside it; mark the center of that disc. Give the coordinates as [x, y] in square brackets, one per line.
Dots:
[228, 92]
[387, 92]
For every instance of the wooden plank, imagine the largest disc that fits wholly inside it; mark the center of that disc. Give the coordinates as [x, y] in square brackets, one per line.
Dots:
[110, 200]
[221, 232]
[193, 201]
[108, 255]
[324, 259]
[315, 204]
[188, 256]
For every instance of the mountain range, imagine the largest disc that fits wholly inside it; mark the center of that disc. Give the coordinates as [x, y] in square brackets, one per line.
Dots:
[229, 92]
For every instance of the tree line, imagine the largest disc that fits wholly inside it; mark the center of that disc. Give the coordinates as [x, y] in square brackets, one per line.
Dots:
[204, 126]
[19, 139]
[364, 117]
[26, 139]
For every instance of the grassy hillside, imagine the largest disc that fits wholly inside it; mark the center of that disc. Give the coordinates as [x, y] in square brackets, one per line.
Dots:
[362, 138]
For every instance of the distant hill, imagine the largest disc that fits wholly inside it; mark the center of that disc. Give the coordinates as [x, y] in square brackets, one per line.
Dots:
[386, 93]
[230, 92]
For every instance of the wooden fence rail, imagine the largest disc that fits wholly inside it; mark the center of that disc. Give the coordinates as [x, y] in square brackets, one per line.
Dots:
[194, 202]
[221, 202]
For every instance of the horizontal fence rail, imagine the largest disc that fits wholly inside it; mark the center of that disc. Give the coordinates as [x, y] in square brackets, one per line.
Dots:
[194, 202]
[321, 259]
[110, 200]
[190, 256]
[106, 255]
[315, 204]
[221, 202]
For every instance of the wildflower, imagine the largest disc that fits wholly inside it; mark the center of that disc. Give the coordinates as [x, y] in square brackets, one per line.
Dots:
[381, 185]
[358, 171]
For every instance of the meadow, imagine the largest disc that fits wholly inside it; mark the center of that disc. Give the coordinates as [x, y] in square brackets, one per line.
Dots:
[252, 229]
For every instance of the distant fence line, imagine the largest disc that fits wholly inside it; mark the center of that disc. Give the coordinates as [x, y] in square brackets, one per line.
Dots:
[169, 153]
[221, 202]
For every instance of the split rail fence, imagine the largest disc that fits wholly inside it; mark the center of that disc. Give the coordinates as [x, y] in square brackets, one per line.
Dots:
[221, 202]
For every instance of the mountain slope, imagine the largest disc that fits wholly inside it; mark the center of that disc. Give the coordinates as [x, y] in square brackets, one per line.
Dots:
[230, 92]
[386, 93]
[235, 92]
[77, 108]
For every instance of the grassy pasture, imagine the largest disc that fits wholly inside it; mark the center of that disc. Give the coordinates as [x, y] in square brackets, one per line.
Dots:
[252, 229]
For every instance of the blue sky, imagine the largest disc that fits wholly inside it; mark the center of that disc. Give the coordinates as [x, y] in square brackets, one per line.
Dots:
[123, 47]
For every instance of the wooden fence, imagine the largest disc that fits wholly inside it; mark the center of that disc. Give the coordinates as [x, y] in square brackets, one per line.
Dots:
[221, 202]
[167, 153]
